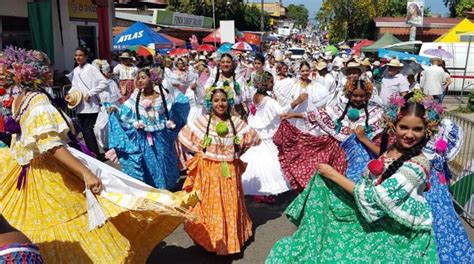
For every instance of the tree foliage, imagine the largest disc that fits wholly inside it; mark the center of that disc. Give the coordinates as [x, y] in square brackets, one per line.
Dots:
[346, 19]
[457, 7]
[246, 17]
[299, 13]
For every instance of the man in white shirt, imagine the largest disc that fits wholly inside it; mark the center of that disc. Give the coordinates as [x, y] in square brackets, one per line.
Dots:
[433, 79]
[394, 82]
[325, 78]
[90, 82]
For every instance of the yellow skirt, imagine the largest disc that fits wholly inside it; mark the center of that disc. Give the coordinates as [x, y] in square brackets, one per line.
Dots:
[223, 224]
[51, 210]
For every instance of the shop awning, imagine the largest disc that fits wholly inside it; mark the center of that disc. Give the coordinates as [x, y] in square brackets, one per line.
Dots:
[140, 34]
[453, 35]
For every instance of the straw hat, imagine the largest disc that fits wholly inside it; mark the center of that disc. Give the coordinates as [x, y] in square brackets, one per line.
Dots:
[202, 57]
[288, 52]
[352, 65]
[435, 59]
[321, 65]
[344, 47]
[395, 63]
[125, 55]
[365, 62]
[279, 58]
[213, 56]
[376, 64]
[73, 98]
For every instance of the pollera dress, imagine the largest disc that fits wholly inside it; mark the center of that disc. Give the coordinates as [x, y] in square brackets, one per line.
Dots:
[263, 174]
[222, 224]
[148, 154]
[454, 245]
[386, 223]
[45, 200]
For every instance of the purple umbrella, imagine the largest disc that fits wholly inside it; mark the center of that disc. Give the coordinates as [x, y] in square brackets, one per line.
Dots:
[439, 52]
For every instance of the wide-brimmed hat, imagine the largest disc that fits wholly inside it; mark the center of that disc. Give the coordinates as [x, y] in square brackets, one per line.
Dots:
[365, 62]
[352, 65]
[436, 59]
[125, 55]
[202, 57]
[395, 63]
[73, 98]
[279, 58]
[344, 47]
[213, 56]
[376, 63]
[321, 65]
[288, 52]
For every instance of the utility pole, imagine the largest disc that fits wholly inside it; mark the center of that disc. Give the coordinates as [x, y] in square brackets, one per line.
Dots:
[262, 22]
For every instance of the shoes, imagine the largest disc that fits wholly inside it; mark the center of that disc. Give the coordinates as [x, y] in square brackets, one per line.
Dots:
[268, 199]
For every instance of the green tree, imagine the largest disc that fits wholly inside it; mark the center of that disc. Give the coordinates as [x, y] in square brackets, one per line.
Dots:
[457, 7]
[299, 13]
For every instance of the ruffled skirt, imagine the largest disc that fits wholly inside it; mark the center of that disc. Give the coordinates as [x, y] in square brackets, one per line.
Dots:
[300, 153]
[263, 175]
[223, 224]
[332, 230]
[51, 210]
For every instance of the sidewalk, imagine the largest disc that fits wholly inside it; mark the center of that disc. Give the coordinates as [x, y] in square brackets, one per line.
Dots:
[451, 103]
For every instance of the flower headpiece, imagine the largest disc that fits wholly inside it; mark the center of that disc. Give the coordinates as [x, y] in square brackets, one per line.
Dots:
[23, 68]
[225, 86]
[156, 74]
[351, 85]
[433, 111]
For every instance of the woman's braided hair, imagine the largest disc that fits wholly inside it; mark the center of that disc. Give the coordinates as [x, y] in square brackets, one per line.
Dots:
[351, 86]
[410, 108]
[227, 116]
[162, 94]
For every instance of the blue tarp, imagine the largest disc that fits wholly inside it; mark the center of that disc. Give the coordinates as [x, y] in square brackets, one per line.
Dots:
[390, 54]
[140, 34]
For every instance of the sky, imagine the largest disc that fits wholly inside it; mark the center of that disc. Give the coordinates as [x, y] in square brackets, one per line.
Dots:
[437, 6]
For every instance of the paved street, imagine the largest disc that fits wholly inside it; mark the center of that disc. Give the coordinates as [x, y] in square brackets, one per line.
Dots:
[269, 226]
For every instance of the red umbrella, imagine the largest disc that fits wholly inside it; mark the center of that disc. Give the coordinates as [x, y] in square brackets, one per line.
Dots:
[363, 43]
[178, 52]
[206, 47]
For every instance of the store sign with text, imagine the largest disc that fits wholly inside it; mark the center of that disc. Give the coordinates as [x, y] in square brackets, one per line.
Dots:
[82, 10]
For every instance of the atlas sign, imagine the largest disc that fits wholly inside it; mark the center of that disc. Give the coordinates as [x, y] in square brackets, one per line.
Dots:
[135, 35]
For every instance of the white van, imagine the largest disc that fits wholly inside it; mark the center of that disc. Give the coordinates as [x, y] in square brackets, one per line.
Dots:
[296, 53]
[457, 63]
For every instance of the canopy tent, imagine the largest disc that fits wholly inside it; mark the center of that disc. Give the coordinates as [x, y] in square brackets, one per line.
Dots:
[176, 41]
[363, 43]
[215, 36]
[386, 40]
[250, 38]
[140, 34]
[453, 35]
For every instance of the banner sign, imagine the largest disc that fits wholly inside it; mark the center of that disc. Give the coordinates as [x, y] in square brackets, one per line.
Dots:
[82, 10]
[181, 19]
[415, 13]
[227, 28]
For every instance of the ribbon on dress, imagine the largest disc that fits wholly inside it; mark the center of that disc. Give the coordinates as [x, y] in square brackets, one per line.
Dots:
[22, 178]
[149, 137]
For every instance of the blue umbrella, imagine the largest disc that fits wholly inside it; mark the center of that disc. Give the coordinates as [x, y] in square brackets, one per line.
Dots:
[140, 34]
[224, 48]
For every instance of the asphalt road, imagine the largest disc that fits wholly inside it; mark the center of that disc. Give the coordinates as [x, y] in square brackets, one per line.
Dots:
[269, 225]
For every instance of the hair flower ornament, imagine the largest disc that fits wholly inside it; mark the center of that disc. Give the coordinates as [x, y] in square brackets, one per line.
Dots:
[433, 111]
[225, 87]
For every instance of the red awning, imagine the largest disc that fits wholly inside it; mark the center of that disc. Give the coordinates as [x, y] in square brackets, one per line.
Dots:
[363, 43]
[176, 41]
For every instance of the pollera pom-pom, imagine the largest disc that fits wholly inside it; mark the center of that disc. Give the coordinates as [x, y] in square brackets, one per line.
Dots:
[441, 146]
[353, 114]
